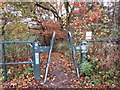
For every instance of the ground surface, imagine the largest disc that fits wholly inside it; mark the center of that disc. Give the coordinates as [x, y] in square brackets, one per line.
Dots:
[60, 75]
[61, 72]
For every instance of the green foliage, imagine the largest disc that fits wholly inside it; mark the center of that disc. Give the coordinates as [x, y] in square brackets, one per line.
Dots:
[115, 33]
[110, 81]
[94, 75]
[68, 53]
[28, 71]
[12, 73]
[96, 81]
[87, 77]
[1, 75]
[86, 68]
[18, 52]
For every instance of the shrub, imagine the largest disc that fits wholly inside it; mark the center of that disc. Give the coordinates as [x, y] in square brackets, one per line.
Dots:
[86, 68]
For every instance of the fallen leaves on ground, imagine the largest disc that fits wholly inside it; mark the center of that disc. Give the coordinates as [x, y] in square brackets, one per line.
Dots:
[60, 75]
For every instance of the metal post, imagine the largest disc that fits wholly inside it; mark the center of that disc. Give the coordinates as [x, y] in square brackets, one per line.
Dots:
[84, 51]
[3, 61]
[49, 55]
[73, 54]
[36, 61]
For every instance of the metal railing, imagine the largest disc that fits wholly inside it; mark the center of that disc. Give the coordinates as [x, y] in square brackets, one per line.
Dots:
[83, 49]
[36, 50]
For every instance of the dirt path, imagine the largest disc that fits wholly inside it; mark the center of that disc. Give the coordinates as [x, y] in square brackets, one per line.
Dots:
[61, 72]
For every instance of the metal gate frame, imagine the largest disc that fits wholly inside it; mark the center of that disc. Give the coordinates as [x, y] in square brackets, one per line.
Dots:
[83, 49]
[14, 63]
[73, 54]
[36, 50]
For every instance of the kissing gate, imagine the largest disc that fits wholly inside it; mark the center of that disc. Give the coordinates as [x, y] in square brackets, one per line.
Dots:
[83, 48]
[36, 50]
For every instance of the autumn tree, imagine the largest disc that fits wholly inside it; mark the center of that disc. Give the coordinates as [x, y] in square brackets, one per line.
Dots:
[113, 9]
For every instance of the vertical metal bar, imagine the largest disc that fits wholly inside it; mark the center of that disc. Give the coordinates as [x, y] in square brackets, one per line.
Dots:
[36, 61]
[73, 54]
[49, 55]
[3, 61]
[33, 58]
[75, 62]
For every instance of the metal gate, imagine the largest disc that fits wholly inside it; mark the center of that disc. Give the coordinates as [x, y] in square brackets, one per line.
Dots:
[36, 50]
[83, 49]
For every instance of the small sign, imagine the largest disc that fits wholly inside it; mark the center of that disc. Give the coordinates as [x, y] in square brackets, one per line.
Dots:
[37, 61]
[77, 48]
[36, 58]
[88, 35]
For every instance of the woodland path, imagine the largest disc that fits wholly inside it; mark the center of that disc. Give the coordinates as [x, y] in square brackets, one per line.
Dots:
[61, 72]
[60, 75]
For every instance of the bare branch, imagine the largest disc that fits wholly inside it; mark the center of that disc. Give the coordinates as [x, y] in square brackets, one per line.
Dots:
[48, 9]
